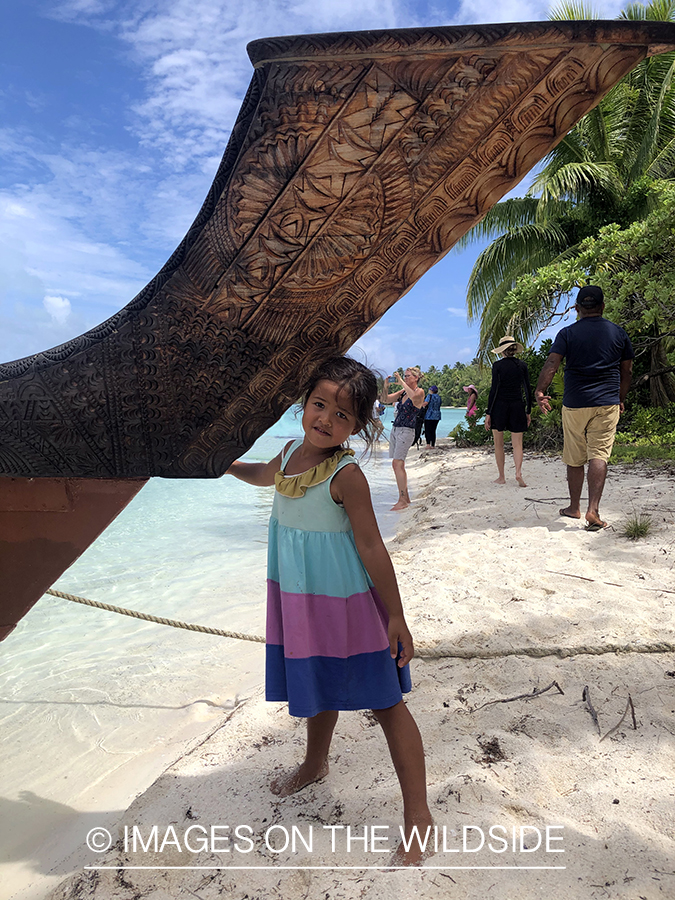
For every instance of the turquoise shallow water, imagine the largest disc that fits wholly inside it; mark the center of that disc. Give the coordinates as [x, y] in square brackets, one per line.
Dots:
[94, 705]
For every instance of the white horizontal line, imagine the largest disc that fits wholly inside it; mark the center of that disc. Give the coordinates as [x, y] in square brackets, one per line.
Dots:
[330, 868]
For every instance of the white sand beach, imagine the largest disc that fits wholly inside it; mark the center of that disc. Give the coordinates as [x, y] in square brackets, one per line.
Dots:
[489, 572]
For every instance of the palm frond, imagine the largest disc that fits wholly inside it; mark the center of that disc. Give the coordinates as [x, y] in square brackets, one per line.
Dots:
[605, 170]
[510, 213]
[663, 165]
[524, 320]
[656, 11]
[650, 134]
[577, 181]
[518, 251]
[570, 150]
[598, 134]
[570, 10]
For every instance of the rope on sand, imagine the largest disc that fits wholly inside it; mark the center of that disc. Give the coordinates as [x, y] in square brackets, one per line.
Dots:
[160, 620]
[439, 650]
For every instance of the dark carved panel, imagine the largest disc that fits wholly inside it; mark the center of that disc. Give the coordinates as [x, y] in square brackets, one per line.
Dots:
[357, 160]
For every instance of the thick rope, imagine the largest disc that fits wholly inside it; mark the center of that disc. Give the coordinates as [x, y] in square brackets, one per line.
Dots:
[439, 651]
[159, 619]
[424, 651]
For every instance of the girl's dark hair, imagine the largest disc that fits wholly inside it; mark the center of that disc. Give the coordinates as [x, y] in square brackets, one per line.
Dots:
[359, 382]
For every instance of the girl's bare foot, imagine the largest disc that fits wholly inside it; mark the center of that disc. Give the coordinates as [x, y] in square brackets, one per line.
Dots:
[500, 480]
[519, 479]
[292, 782]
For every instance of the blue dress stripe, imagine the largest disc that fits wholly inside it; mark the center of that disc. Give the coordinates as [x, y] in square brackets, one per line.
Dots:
[316, 683]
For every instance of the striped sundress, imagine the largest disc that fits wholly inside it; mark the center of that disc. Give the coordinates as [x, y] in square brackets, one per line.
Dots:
[327, 645]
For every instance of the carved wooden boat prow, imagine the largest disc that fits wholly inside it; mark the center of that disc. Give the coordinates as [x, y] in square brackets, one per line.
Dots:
[356, 162]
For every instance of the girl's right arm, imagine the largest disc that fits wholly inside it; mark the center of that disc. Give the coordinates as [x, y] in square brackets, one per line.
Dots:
[260, 474]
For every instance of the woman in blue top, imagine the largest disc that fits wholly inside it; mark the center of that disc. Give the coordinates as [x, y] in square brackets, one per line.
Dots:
[432, 416]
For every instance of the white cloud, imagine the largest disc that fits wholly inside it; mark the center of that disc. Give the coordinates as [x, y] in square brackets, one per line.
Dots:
[471, 11]
[347, 14]
[192, 55]
[72, 10]
[57, 307]
[487, 11]
[377, 348]
[465, 354]
[49, 251]
[459, 311]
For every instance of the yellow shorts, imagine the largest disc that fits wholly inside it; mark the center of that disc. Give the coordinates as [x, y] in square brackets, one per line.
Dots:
[589, 433]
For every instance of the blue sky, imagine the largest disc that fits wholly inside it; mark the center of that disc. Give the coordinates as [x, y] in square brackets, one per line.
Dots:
[113, 117]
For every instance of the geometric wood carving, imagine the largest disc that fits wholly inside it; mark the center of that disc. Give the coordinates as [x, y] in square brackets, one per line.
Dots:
[356, 162]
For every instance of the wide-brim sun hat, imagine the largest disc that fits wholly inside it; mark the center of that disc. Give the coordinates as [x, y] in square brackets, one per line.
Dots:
[506, 342]
[470, 387]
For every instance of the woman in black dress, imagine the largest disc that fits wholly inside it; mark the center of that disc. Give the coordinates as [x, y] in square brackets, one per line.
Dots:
[509, 404]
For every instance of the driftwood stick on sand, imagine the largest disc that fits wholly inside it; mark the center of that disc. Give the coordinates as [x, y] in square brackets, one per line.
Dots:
[659, 590]
[522, 696]
[629, 706]
[586, 697]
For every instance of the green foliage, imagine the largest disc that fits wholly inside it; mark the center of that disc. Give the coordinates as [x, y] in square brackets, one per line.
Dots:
[607, 171]
[545, 432]
[635, 267]
[451, 381]
[641, 424]
[630, 453]
[637, 526]
[472, 432]
[645, 433]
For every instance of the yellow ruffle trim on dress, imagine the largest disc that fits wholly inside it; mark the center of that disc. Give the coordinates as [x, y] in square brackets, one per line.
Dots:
[295, 486]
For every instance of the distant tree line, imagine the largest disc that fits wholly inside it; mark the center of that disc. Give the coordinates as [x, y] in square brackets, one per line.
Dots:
[451, 381]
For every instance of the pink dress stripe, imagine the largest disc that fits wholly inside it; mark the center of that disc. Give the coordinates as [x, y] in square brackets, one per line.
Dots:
[320, 625]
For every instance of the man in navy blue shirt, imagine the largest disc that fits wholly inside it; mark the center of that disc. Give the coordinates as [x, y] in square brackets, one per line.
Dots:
[598, 366]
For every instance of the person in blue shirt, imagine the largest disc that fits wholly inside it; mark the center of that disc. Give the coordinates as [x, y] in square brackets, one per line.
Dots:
[432, 416]
[598, 366]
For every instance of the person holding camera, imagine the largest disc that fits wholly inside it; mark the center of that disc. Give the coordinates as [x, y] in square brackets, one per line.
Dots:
[402, 435]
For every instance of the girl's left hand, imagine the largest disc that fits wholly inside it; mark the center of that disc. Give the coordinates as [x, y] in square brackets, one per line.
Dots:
[398, 633]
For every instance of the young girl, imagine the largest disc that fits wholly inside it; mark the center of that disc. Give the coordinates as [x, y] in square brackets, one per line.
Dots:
[336, 634]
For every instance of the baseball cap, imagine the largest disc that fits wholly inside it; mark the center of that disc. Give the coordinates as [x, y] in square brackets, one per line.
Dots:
[590, 297]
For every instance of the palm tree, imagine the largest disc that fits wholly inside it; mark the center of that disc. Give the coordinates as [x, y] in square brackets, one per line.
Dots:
[603, 171]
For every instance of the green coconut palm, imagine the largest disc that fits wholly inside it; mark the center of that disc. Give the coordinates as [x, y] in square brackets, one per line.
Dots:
[604, 170]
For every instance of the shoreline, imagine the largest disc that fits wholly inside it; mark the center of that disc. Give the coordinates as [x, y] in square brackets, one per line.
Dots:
[116, 710]
[482, 568]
